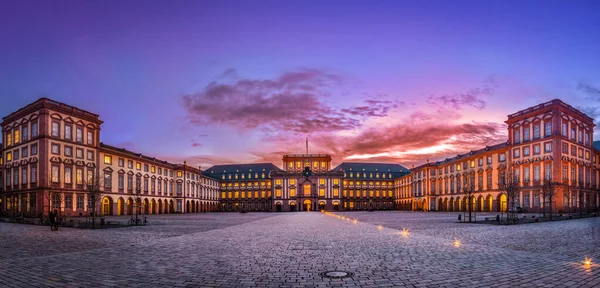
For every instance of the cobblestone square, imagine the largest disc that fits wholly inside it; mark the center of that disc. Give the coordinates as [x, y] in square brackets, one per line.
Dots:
[291, 249]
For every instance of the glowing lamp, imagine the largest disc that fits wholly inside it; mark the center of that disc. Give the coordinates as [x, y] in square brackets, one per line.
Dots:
[587, 261]
[355, 221]
[379, 227]
[404, 233]
[456, 243]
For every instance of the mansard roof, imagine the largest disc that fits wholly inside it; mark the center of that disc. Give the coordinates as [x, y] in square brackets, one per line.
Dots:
[396, 170]
[218, 170]
[596, 145]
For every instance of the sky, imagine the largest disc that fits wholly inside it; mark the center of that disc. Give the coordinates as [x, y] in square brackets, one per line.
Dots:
[218, 82]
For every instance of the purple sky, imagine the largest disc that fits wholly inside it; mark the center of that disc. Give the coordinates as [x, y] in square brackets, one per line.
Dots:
[246, 81]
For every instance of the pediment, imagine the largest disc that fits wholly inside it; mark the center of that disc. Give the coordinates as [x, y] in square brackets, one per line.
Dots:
[55, 159]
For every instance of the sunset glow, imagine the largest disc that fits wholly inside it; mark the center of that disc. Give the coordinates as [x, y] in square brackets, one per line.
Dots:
[248, 93]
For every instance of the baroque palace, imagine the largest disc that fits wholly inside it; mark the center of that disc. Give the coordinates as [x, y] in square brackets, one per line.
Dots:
[51, 152]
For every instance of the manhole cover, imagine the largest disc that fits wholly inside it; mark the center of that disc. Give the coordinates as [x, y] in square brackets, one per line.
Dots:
[336, 274]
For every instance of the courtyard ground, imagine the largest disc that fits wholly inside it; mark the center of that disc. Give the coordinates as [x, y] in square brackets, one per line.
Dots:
[291, 249]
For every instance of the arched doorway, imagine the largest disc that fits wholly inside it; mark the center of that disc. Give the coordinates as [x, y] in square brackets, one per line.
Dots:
[321, 206]
[120, 206]
[278, 205]
[451, 204]
[129, 206]
[153, 207]
[336, 206]
[146, 206]
[106, 206]
[293, 207]
[502, 202]
[489, 203]
[307, 205]
[440, 205]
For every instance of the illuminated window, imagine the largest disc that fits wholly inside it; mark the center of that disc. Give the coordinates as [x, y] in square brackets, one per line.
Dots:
[377, 194]
[292, 192]
[8, 156]
[107, 159]
[243, 194]
[263, 194]
[291, 164]
[153, 169]
[336, 181]
[138, 166]
[277, 181]
[292, 181]
[8, 139]
[370, 193]
[278, 193]
[223, 194]
[55, 174]
[321, 192]
[351, 193]
[457, 167]
[298, 164]
[315, 164]
[237, 195]
[180, 174]
[230, 195]
[321, 181]
[472, 163]
[336, 192]
[17, 136]
[256, 194]
[79, 176]
[306, 189]
[390, 193]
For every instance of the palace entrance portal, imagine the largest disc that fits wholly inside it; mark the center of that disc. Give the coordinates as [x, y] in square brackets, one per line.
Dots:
[307, 205]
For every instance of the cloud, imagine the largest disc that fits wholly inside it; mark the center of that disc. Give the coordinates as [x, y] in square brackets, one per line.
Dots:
[293, 102]
[590, 90]
[474, 97]
[413, 144]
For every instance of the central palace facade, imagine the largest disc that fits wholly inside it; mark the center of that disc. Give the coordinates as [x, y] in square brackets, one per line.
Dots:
[51, 152]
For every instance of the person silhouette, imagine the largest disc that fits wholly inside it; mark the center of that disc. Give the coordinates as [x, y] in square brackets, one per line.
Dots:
[51, 217]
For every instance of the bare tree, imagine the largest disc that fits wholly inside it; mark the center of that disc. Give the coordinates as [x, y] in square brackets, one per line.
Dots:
[510, 183]
[93, 189]
[468, 188]
[53, 194]
[548, 189]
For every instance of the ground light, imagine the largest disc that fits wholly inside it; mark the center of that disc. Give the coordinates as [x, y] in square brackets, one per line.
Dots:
[587, 262]
[379, 227]
[456, 243]
[355, 221]
[404, 232]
